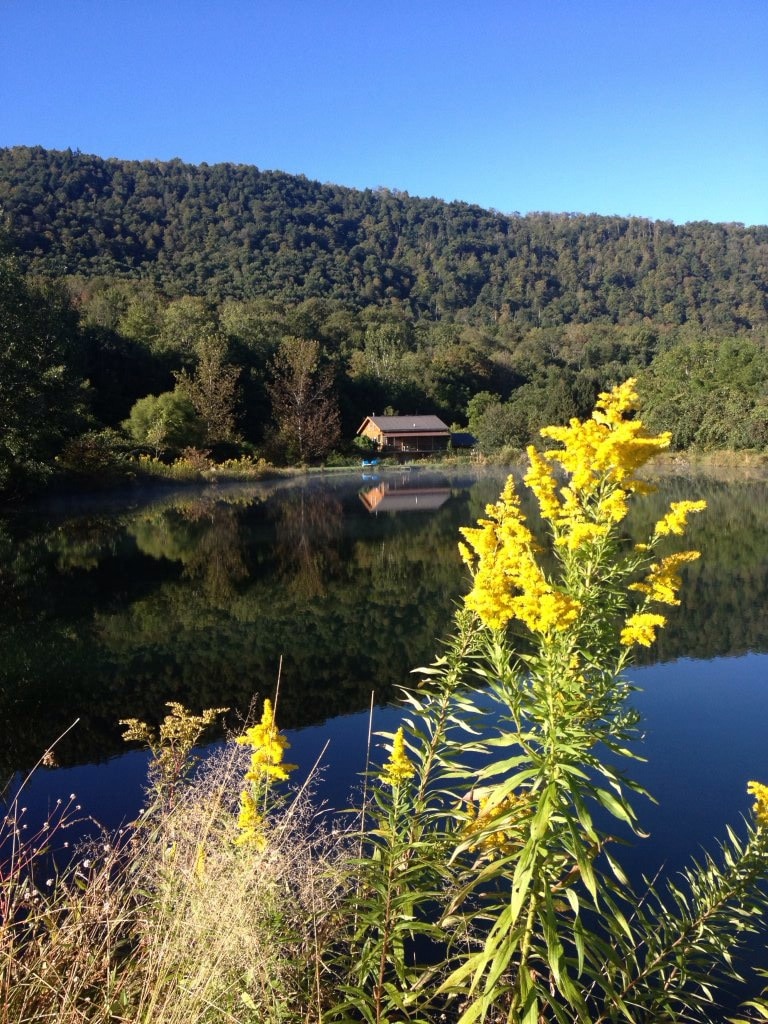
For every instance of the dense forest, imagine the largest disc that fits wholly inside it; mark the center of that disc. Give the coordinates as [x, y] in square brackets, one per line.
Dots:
[163, 305]
[231, 231]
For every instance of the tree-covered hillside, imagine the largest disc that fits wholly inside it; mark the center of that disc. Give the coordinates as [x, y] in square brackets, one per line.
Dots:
[233, 231]
[150, 307]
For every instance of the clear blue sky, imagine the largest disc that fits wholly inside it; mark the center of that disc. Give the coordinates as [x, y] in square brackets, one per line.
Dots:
[655, 108]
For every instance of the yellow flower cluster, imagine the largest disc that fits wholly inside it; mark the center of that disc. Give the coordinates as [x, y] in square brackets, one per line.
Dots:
[541, 480]
[398, 768]
[663, 580]
[581, 533]
[640, 628]
[760, 806]
[508, 581]
[601, 455]
[267, 745]
[676, 519]
[250, 822]
[482, 817]
[607, 448]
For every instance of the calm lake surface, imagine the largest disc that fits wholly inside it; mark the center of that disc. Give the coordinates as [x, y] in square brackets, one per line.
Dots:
[109, 609]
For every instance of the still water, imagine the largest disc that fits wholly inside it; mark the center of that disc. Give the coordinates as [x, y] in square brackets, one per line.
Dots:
[109, 609]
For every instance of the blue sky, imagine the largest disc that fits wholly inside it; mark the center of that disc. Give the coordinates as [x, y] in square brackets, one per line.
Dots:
[654, 108]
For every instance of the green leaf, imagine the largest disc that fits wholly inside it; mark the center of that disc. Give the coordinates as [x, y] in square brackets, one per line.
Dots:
[618, 808]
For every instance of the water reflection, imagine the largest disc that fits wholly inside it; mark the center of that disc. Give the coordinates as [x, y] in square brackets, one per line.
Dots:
[109, 613]
[403, 492]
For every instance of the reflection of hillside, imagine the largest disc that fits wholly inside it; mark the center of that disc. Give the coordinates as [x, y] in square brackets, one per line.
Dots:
[203, 535]
[109, 617]
[136, 631]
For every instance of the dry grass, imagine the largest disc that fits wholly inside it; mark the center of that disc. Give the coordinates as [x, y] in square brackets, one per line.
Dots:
[178, 925]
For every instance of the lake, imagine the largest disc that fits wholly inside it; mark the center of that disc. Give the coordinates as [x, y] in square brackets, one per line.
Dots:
[113, 606]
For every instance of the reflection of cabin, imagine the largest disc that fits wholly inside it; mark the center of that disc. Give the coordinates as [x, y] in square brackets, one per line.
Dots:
[417, 435]
[385, 498]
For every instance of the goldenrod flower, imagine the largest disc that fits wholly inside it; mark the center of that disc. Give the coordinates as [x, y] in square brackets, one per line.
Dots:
[663, 580]
[613, 506]
[482, 818]
[676, 519]
[541, 480]
[398, 768]
[581, 533]
[509, 582]
[250, 823]
[268, 745]
[607, 448]
[760, 806]
[640, 628]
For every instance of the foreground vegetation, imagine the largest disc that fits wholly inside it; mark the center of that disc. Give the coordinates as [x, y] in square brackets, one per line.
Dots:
[480, 878]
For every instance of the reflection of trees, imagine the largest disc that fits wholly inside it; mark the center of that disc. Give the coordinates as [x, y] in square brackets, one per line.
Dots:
[109, 617]
[308, 526]
[724, 608]
[203, 534]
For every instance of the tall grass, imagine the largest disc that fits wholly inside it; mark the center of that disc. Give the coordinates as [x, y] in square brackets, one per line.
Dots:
[172, 922]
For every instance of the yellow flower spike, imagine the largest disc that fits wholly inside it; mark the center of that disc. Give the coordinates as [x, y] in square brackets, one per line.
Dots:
[640, 628]
[268, 745]
[663, 580]
[398, 768]
[250, 822]
[541, 481]
[676, 519]
[760, 806]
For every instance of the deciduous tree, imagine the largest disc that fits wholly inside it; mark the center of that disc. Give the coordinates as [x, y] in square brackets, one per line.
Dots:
[304, 404]
[212, 389]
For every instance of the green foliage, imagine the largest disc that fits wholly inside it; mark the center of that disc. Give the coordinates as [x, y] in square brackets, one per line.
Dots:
[202, 276]
[304, 403]
[97, 457]
[41, 398]
[212, 389]
[236, 232]
[710, 395]
[165, 421]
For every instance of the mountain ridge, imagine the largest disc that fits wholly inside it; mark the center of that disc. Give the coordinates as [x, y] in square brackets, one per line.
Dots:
[234, 231]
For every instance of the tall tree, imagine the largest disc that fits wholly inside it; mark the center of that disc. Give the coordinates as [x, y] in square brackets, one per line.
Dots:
[212, 388]
[304, 404]
[41, 399]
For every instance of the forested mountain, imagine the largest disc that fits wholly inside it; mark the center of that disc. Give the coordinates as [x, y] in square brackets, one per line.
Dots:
[161, 306]
[233, 231]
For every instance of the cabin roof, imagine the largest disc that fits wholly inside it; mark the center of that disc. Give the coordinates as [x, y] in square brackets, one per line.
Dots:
[406, 424]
